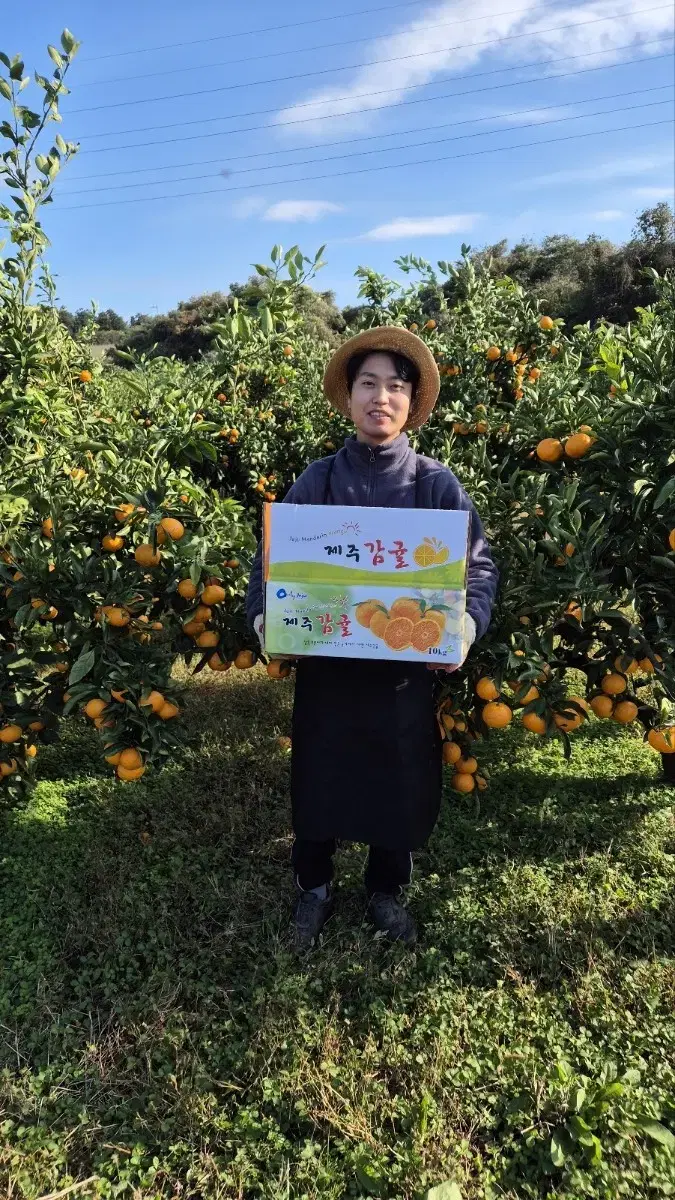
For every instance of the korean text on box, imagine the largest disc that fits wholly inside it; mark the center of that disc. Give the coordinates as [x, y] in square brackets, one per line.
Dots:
[347, 582]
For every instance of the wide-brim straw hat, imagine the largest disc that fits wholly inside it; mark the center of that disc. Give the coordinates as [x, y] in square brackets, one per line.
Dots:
[388, 339]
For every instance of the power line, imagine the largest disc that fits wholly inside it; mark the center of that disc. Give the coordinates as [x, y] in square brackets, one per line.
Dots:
[362, 95]
[235, 62]
[408, 146]
[369, 170]
[223, 37]
[228, 87]
[207, 162]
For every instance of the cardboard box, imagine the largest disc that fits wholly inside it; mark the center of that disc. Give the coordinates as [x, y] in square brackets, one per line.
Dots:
[347, 582]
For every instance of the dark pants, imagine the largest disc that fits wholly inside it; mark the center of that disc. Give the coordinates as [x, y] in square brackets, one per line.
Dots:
[386, 870]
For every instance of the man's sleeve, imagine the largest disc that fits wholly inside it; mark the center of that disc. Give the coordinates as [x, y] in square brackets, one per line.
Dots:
[303, 491]
[482, 574]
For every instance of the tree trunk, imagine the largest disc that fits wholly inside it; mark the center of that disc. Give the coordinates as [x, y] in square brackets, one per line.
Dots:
[668, 761]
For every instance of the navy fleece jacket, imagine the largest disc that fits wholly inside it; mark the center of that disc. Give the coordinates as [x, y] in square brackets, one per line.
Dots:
[384, 477]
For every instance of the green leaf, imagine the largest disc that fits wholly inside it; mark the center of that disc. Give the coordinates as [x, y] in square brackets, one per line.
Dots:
[81, 667]
[665, 493]
[68, 41]
[444, 1191]
[664, 562]
[559, 1148]
[5, 89]
[266, 322]
[61, 145]
[373, 1184]
[55, 56]
[658, 1132]
[16, 70]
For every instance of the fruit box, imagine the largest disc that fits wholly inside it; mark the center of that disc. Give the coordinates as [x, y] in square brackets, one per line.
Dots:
[348, 582]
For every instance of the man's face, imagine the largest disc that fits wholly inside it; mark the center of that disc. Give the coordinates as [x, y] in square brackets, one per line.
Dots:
[379, 401]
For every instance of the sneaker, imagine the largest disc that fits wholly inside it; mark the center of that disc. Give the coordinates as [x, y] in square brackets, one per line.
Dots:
[309, 917]
[390, 917]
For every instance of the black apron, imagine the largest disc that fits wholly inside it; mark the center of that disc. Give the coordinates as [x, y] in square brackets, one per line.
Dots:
[366, 758]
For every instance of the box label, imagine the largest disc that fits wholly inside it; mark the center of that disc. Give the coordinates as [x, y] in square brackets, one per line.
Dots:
[347, 582]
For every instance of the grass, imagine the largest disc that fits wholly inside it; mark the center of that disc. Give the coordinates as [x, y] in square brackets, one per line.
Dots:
[158, 1039]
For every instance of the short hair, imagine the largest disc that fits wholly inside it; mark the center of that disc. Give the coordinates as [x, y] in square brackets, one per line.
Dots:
[405, 369]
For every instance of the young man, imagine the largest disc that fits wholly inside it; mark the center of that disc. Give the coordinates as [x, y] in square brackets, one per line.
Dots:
[366, 756]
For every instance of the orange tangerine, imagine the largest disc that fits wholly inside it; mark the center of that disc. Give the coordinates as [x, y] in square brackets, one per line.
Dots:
[603, 706]
[366, 610]
[216, 663]
[172, 528]
[425, 634]
[631, 669]
[625, 712]
[130, 759]
[577, 445]
[497, 715]
[486, 689]
[406, 606]
[533, 722]
[613, 684]
[435, 614]
[379, 622]
[463, 782]
[187, 589]
[550, 450]
[451, 752]
[466, 766]
[129, 774]
[146, 556]
[213, 594]
[662, 740]
[398, 632]
[424, 555]
[278, 669]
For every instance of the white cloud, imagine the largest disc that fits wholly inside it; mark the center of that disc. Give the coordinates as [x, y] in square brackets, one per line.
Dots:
[607, 214]
[536, 116]
[414, 227]
[598, 172]
[300, 210]
[665, 192]
[248, 206]
[547, 34]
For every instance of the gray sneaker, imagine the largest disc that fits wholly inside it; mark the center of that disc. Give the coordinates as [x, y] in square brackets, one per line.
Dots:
[389, 916]
[309, 917]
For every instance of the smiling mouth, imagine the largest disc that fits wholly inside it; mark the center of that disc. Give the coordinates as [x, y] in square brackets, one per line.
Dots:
[378, 413]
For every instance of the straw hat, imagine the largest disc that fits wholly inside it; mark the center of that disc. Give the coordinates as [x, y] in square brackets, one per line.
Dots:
[392, 339]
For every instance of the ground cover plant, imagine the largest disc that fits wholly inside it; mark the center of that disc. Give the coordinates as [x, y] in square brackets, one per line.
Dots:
[157, 1039]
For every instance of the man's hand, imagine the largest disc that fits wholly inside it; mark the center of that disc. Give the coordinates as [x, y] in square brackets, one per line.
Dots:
[469, 639]
[259, 628]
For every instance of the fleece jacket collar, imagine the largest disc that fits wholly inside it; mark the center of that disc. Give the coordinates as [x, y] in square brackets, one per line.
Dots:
[388, 460]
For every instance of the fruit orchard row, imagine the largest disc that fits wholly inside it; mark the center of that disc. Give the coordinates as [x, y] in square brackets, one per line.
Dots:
[132, 494]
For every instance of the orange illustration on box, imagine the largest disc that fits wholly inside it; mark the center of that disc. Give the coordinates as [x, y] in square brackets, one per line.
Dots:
[365, 582]
[407, 623]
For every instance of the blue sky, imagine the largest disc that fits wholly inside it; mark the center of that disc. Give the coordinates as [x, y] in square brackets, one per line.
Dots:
[423, 90]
